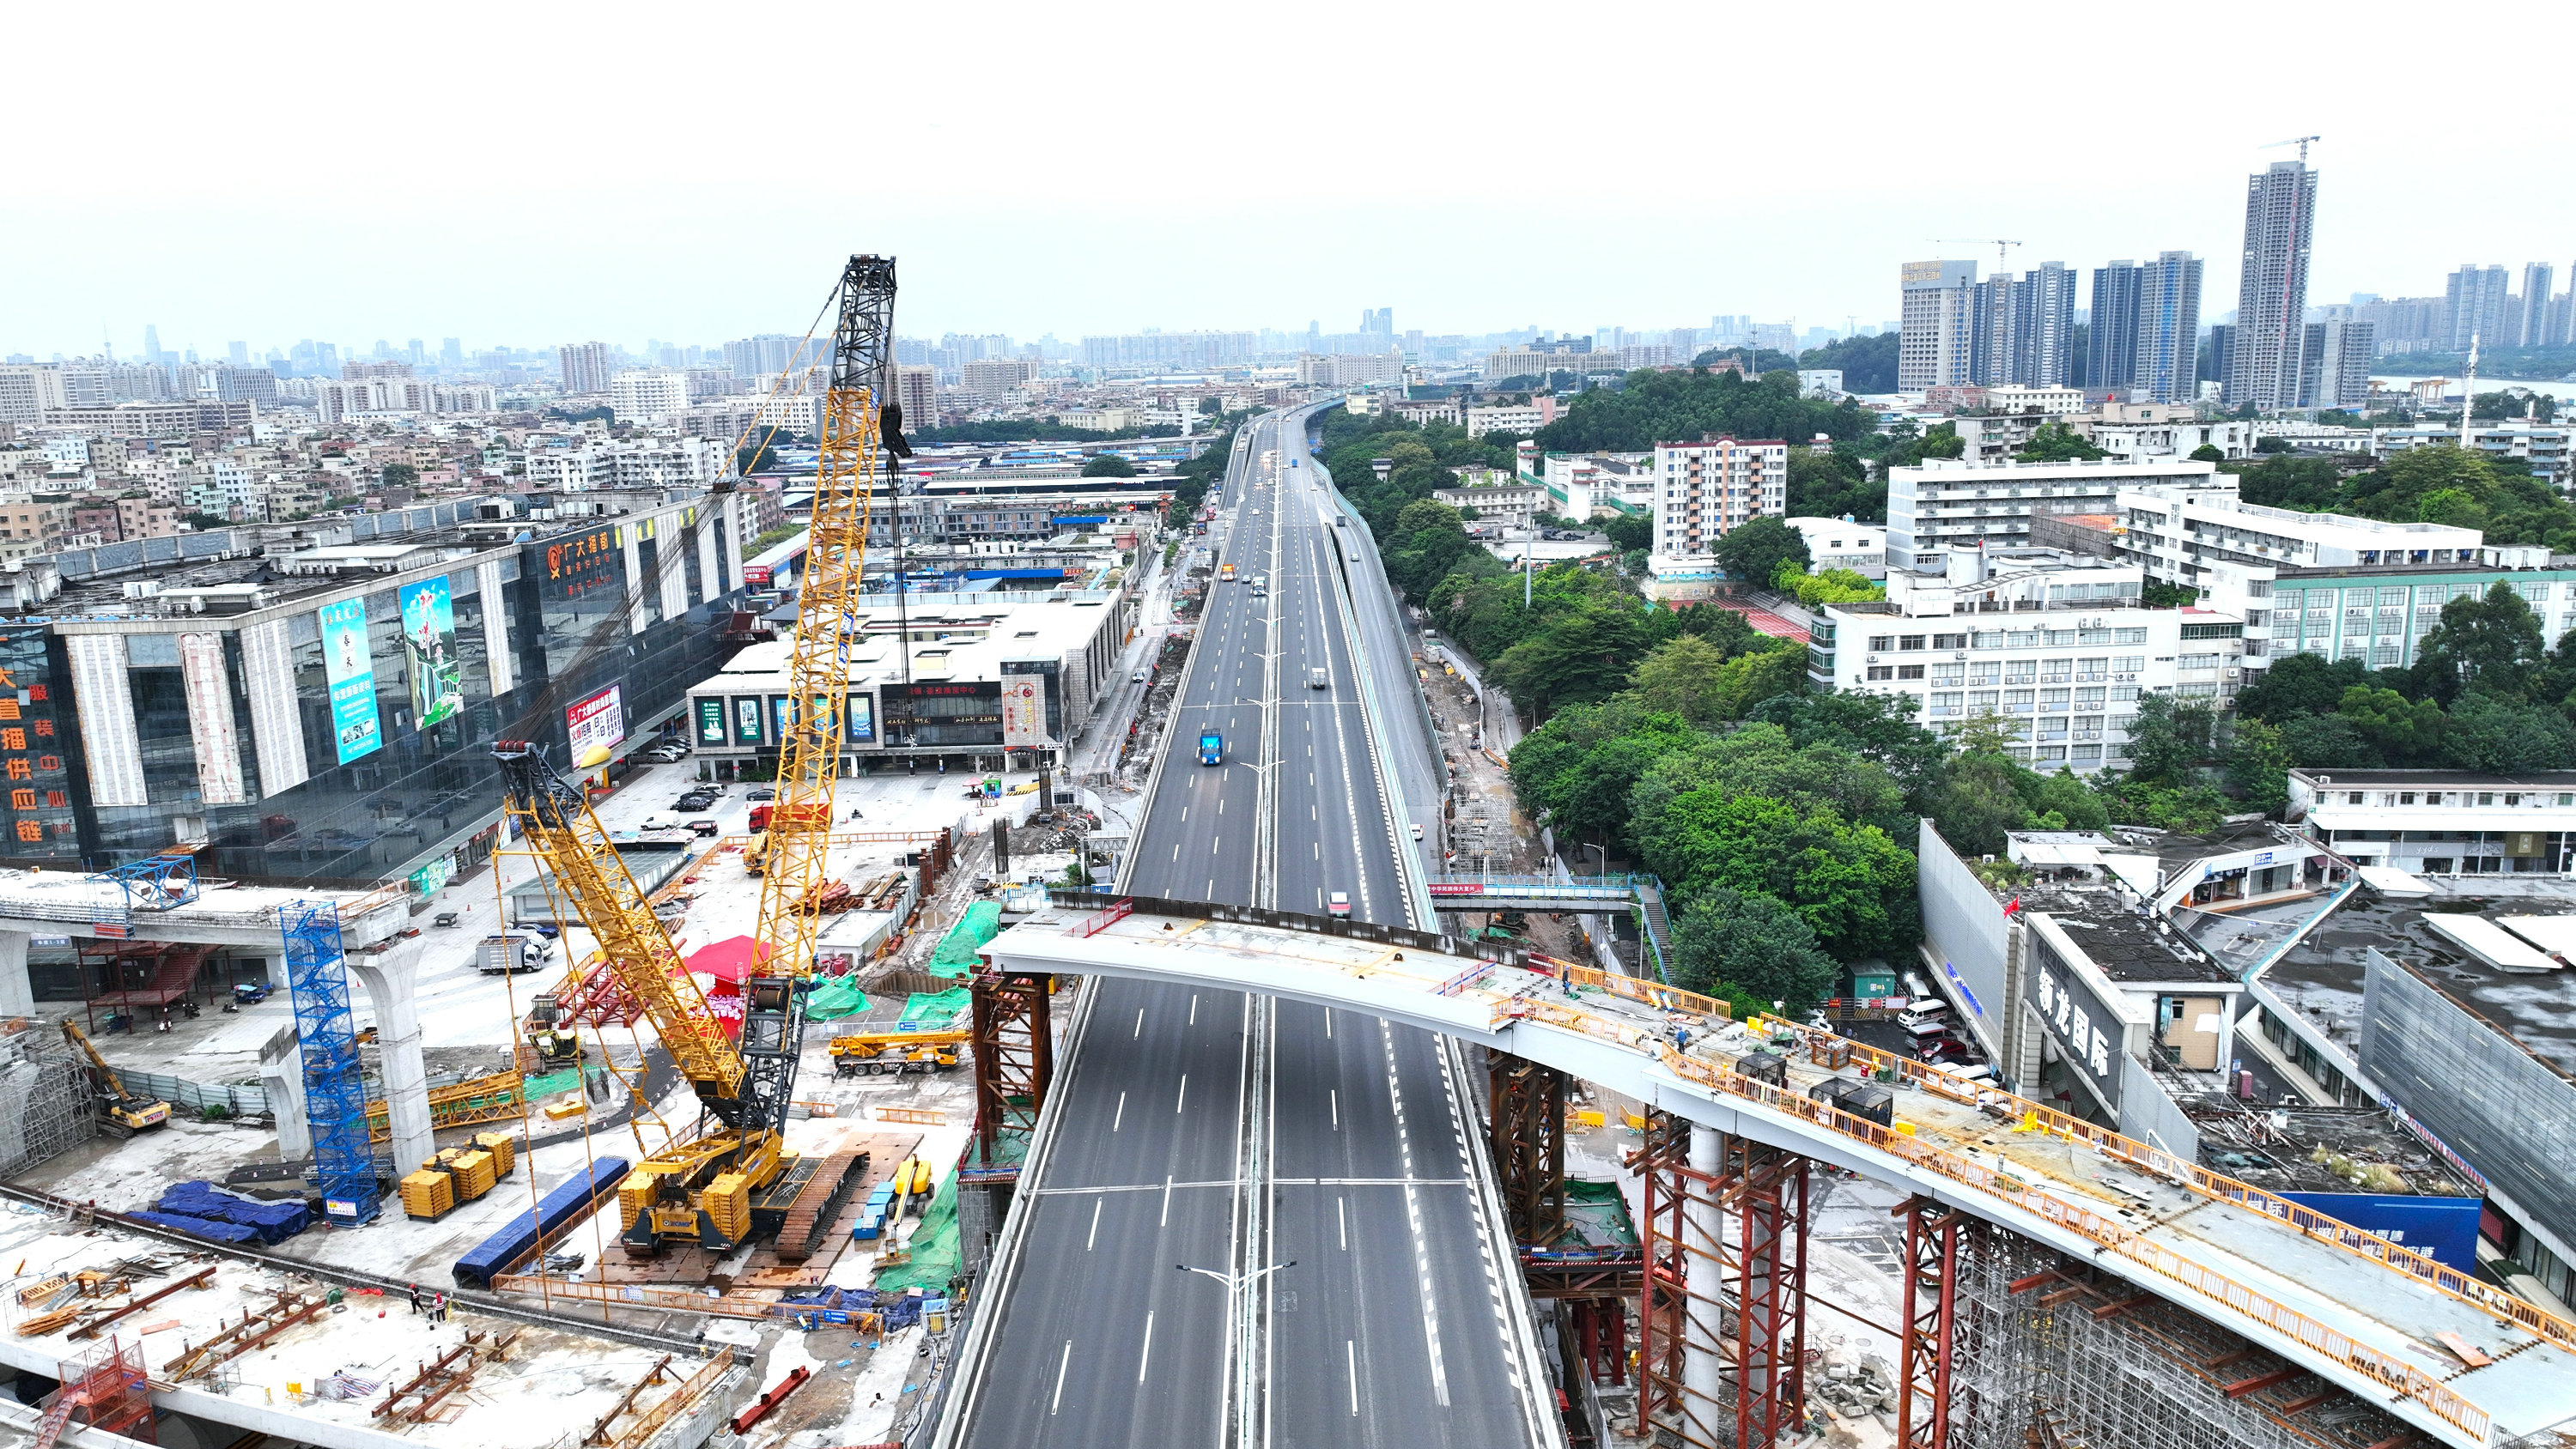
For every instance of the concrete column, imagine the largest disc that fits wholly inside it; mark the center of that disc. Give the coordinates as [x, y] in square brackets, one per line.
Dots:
[390, 977]
[281, 1073]
[1703, 1363]
[17, 992]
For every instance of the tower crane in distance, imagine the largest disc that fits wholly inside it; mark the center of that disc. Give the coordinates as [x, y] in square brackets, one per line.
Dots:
[731, 1177]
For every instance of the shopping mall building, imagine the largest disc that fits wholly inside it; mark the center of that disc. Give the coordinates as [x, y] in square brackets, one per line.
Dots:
[317, 705]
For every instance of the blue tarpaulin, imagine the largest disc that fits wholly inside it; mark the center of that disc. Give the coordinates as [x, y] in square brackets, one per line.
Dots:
[271, 1222]
[207, 1228]
[517, 1243]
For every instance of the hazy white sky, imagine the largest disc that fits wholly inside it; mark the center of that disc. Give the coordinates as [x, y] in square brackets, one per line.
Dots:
[536, 173]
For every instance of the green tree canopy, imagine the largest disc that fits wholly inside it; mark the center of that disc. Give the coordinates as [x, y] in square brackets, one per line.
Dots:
[1754, 943]
[1754, 550]
[2490, 642]
[1679, 407]
[2300, 686]
[1108, 465]
[1830, 483]
[2404, 731]
[1851, 883]
[2058, 443]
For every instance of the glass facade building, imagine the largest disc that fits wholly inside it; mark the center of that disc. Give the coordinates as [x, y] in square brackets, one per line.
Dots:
[326, 718]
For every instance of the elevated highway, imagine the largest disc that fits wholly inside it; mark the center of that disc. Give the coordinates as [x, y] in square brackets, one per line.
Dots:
[1202, 1127]
[2460, 1360]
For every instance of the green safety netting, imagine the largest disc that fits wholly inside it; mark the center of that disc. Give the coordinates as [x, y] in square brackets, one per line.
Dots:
[833, 1000]
[567, 1080]
[933, 1245]
[956, 953]
[936, 1006]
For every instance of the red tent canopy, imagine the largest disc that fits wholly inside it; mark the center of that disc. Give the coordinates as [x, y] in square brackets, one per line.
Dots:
[731, 959]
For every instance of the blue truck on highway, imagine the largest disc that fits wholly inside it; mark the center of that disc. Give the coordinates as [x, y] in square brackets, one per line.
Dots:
[1211, 749]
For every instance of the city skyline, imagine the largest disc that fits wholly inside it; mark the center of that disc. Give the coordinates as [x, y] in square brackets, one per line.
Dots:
[1141, 215]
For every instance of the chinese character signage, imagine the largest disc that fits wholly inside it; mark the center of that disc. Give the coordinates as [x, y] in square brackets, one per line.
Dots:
[352, 676]
[579, 567]
[1024, 710]
[862, 726]
[39, 817]
[711, 721]
[596, 725]
[2087, 1028]
[429, 651]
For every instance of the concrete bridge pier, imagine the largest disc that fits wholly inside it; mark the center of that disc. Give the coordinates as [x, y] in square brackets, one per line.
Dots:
[281, 1074]
[391, 977]
[17, 991]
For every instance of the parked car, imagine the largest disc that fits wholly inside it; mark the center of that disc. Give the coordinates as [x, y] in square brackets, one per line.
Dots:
[666, 754]
[1945, 1049]
[662, 820]
[759, 793]
[694, 800]
[703, 827]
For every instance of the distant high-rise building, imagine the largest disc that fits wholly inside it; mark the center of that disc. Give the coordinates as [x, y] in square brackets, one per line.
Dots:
[2111, 333]
[451, 352]
[769, 352]
[152, 352]
[2537, 278]
[2222, 355]
[1938, 347]
[2272, 289]
[416, 353]
[1379, 321]
[2477, 303]
[916, 391]
[239, 352]
[585, 366]
[2336, 358]
[2022, 327]
[648, 394]
[2168, 347]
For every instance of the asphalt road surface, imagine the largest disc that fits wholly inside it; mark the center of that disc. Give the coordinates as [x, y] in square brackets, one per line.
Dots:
[1217, 1131]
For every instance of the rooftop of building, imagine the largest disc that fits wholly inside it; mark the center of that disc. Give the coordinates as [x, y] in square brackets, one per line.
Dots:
[2130, 946]
[2452, 779]
[954, 637]
[2320, 1149]
[2012, 467]
[2321, 978]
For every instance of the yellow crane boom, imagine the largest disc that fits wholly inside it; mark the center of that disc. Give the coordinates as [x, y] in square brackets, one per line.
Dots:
[860, 414]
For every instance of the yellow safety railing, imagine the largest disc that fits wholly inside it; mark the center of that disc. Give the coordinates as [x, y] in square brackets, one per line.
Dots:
[2408, 1380]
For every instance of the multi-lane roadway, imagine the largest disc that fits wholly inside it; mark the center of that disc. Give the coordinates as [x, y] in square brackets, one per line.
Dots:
[1206, 1140]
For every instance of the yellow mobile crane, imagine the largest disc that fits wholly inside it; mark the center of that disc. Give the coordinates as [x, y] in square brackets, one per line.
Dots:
[126, 1114]
[732, 1176]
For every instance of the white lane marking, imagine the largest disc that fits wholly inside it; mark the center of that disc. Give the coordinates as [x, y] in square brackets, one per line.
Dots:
[1413, 1217]
[1184, 1094]
[1328, 1023]
[1194, 1008]
[1341, 1221]
[1337, 1108]
[1350, 1361]
[1094, 1235]
[1140, 1019]
[1122, 1112]
[1176, 852]
[1147, 1352]
[1216, 844]
[1061, 1365]
[1167, 1202]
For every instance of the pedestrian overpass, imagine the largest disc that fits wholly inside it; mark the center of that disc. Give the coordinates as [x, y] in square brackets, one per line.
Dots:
[1582, 895]
[2459, 1359]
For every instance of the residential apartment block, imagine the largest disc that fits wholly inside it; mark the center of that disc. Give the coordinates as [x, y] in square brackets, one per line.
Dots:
[2272, 290]
[646, 395]
[1701, 492]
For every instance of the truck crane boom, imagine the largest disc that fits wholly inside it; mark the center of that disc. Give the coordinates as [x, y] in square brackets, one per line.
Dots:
[860, 414]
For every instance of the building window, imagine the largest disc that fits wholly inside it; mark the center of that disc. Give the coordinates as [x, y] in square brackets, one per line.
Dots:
[1909, 641]
[1882, 643]
[1879, 672]
[1909, 671]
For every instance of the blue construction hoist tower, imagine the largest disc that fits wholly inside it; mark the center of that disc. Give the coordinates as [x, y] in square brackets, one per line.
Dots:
[335, 1096]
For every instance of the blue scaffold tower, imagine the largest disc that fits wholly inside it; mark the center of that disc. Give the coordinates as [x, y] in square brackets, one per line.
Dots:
[335, 1096]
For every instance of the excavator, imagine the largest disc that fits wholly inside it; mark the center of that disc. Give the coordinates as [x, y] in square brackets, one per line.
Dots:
[126, 1113]
[730, 1176]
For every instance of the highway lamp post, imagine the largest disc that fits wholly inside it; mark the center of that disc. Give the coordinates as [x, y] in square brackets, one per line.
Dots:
[1235, 1284]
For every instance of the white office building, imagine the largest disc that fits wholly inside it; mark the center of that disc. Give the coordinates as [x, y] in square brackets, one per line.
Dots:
[1938, 345]
[636, 396]
[2441, 822]
[2053, 647]
[1948, 504]
[2543, 445]
[1840, 543]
